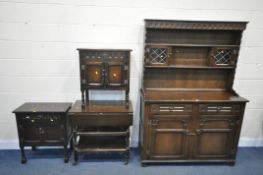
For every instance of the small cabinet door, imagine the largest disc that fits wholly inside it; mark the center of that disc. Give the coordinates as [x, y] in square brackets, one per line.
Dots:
[215, 137]
[53, 128]
[115, 74]
[94, 74]
[29, 128]
[168, 137]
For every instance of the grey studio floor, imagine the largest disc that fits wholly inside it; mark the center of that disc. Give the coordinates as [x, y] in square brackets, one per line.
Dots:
[50, 162]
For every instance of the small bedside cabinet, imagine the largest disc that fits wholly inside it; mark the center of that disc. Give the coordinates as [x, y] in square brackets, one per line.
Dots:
[43, 124]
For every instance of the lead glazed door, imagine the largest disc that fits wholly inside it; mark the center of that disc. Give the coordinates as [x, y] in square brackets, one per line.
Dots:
[168, 136]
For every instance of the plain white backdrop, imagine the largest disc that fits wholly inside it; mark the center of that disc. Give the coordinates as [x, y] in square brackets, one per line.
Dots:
[39, 61]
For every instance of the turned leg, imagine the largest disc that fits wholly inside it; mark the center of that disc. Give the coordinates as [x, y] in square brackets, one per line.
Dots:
[65, 154]
[71, 144]
[126, 157]
[127, 153]
[82, 97]
[76, 157]
[34, 148]
[23, 155]
[232, 163]
[127, 100]
[143, 164]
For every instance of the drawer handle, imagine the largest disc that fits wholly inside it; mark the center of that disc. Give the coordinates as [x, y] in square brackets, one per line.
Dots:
[164, 107]
[211, 110]
[171, 110]
[212, 107]
[225, 110]
[172, 107]
[226, 107]
[179, 107]
[177, 110]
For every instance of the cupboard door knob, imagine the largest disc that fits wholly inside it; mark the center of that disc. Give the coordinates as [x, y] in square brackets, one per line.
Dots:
[41, 131]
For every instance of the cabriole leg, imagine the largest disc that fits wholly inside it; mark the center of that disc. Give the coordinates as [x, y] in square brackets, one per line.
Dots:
[23, 155]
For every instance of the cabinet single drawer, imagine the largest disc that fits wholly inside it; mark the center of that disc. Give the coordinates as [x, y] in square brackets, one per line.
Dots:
[174, 108]
[101, 119]
[52, 119]
[29, 119]
[219, 108]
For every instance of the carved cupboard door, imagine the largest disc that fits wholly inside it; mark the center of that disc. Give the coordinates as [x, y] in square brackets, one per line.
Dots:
[95, 72]
[168, 137]
[115, 74]
[215, 137]
[30, 130]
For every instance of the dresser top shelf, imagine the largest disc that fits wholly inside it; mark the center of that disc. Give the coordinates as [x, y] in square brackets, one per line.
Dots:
[54, 107]
[100, 106]
[195, 25]
[151, 95]
[110, 50]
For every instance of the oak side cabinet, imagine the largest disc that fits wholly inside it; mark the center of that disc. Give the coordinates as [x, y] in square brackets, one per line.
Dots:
[43, 124]
[102, 126]
[189, 110]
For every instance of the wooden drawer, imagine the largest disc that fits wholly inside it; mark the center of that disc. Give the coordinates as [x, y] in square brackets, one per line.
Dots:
[171, 108]
[219, 108]
[52, 119]
[29, 119]
[101, 119]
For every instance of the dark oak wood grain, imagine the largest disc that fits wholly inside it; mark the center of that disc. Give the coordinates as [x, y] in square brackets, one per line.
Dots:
[102, 126]
[189, 110]
[43, 124]
[104, 69]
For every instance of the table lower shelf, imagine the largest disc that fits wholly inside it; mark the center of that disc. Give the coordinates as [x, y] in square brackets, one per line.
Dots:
[101, 144]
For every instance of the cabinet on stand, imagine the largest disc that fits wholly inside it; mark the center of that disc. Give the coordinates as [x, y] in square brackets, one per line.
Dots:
[101, 126]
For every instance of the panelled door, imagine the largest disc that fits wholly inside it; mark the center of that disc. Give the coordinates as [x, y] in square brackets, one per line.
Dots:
[215, 136]
[168, 136]
[30, 128]
[95, 73]
[115, 74]
[54, 128]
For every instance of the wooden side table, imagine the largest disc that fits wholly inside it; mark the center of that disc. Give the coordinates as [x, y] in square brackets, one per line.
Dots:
[101, 127]
[43, 124]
